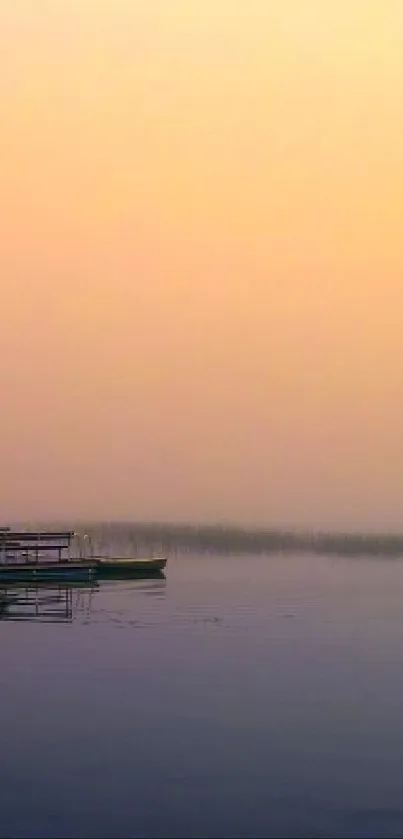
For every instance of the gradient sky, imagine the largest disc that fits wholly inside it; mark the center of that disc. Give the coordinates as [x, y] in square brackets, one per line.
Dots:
[201, 260]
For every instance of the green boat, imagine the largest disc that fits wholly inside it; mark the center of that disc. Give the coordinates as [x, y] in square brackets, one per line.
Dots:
[130, 566]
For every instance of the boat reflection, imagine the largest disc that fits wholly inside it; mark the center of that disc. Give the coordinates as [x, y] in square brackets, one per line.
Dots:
[67, 602]
[149, 586]
[44, 602]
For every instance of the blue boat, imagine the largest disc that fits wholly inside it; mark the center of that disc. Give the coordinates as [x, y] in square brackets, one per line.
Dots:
[71, 570]
[41, 555]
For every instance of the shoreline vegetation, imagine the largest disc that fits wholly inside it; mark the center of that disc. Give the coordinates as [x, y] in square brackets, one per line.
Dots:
[170, 537]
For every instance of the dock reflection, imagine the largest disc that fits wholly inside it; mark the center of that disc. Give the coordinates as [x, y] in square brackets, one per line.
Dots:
[48, 602]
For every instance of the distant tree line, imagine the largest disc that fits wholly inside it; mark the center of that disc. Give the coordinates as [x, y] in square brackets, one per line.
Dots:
[228, 539]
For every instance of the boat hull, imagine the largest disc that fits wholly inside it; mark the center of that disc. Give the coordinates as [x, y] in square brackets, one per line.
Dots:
[130, 567]
[72, 570]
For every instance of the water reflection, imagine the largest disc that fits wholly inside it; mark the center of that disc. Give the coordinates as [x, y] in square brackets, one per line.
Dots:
[44, 602]
[65, 603]
[260, 696]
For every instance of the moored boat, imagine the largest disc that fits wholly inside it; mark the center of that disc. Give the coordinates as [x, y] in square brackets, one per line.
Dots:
[41, 555]
[124, 566]
[42, 570]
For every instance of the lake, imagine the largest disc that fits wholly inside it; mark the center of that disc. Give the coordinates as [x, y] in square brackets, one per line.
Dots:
[242, 696]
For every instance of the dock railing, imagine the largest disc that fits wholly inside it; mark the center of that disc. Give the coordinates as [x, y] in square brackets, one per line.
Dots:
[31, 546]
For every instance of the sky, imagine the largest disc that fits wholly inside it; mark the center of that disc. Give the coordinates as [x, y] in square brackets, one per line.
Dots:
[201, 268]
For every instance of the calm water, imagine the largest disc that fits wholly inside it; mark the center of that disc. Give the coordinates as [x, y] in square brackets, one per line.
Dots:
[240, 697]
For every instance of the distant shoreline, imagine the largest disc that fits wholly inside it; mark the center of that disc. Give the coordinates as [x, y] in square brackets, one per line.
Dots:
[237, 539]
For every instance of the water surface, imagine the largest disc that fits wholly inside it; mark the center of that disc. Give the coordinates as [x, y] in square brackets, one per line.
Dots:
[247, 696]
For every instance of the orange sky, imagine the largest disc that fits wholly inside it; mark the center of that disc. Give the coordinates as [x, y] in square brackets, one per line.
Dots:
[201, 260]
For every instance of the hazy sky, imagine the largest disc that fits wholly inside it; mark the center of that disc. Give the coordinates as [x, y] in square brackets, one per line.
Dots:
[201, 260]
